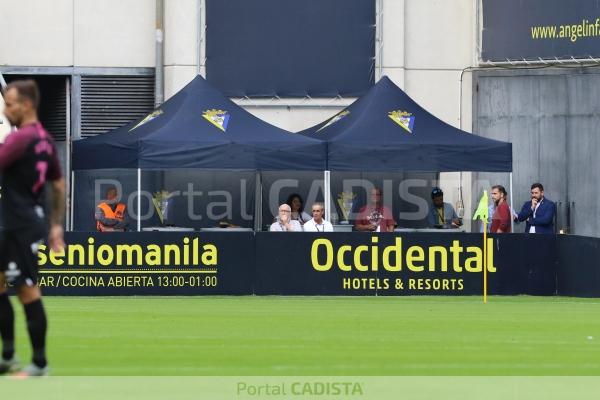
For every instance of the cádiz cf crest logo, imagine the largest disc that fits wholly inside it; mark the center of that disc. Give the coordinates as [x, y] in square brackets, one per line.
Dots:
[218, 118]
[161, 203]
[335, 119]
[405, 119]
[153, 115]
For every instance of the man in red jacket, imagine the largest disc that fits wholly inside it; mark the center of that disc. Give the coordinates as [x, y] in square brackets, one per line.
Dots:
[501, 217]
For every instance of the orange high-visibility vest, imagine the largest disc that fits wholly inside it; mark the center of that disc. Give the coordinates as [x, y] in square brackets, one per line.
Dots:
[119, 214]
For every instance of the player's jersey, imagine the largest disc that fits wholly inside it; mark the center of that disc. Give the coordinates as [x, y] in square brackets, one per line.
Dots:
[27, 160]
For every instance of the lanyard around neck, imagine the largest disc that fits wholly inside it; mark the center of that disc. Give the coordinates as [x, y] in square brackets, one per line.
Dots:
[440, 215]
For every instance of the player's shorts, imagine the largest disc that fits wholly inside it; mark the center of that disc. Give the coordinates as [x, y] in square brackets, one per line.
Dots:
[18, 256]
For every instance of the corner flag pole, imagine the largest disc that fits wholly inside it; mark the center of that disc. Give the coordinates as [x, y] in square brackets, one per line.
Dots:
[485, 250]
[482, 214]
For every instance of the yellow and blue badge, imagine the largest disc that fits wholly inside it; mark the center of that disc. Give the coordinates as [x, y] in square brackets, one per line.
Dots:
[153, 115]
[405, 119]
[218, 118]
[335, 119]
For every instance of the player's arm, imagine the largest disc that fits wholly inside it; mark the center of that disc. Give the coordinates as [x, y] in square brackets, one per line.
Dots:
[12, 149]
[56, 236]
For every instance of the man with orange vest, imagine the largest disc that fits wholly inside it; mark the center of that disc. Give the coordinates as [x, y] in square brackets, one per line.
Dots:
[111, 215]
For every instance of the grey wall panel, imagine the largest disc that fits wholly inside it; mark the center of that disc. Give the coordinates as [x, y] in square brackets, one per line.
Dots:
[583, 152]
[552, 117]
[514, 108]
[584, 167]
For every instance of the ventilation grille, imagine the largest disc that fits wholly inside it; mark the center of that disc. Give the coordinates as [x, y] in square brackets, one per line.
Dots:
[53, 102]
[109, 102]
[53, 107]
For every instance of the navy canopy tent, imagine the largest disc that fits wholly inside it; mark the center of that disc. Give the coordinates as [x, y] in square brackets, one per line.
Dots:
[385, 130]
[200, 128]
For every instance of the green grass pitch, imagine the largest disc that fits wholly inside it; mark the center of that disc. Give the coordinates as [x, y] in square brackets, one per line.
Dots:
[320, 336]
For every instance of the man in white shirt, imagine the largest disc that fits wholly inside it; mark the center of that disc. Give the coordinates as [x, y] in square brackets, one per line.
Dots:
[317, 223]
[284, 221]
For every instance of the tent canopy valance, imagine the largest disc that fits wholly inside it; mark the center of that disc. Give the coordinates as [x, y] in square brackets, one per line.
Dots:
[386, 130]
[200, 128]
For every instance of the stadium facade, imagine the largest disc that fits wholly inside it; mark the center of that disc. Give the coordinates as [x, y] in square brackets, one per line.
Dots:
[102, 64]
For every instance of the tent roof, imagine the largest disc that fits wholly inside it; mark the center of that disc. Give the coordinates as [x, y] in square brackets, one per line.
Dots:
[200, 128]
[386, 130]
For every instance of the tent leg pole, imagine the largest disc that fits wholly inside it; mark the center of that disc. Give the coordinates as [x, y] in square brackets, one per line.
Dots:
[139, 200]
[512, 220]
[327, 194]
[71, 200]
[258, 203]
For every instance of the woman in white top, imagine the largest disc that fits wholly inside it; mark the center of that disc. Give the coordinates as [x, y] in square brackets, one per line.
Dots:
[297, 205]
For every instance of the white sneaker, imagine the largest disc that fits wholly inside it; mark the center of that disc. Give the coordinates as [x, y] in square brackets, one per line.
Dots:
[32, 370]
[8, 366]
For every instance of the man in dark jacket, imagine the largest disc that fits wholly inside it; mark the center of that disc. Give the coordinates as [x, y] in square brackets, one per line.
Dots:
[539, 212]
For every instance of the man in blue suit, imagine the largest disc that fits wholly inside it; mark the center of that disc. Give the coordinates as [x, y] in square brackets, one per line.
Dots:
[539, 212]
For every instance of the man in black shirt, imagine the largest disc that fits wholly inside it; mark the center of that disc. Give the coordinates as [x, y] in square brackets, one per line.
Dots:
[28, 160]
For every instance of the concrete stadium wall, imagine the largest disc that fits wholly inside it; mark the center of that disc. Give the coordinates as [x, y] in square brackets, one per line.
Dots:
[82, 33]
[552, 117]
[30, 38]
[425, 46]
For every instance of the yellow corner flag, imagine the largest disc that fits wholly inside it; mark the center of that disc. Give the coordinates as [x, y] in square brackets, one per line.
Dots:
[482, 214]
[482, 209]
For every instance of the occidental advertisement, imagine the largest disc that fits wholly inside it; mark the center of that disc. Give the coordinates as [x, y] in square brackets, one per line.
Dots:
[402, 264]
[275, 263]
[546, 29]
